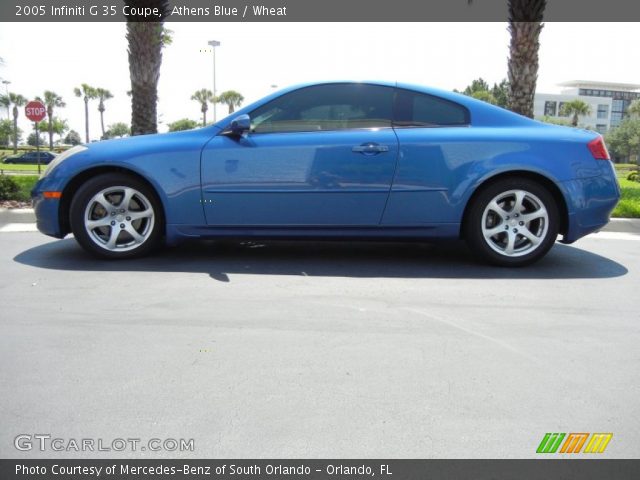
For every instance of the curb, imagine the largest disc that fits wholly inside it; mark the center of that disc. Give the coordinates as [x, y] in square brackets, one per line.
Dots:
[17, 215]
[626, 225]
[27, 215]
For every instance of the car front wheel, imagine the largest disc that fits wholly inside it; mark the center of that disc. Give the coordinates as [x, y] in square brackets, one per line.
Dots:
[512, 222]
[116, 216]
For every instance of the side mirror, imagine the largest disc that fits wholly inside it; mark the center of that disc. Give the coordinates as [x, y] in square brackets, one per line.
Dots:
[240, 125]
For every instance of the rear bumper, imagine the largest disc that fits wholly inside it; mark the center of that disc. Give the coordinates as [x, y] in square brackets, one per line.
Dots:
[590, 202]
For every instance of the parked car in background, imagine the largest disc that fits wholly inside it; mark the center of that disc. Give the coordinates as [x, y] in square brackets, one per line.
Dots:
[31, 158]
[339, 160]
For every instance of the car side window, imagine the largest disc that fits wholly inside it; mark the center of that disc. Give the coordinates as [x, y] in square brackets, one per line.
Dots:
[325, 108]
[413, 109]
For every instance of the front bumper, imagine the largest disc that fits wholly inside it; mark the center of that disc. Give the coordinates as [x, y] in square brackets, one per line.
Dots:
[47, 212]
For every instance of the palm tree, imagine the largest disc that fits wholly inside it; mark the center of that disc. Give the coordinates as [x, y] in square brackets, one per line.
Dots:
[145, 40]
[103, 94]
[525, 25]
[203, 96]
[231, 99]
[88, 93]
[577, 108]
[51, 100]
[18, 101]
[5, 102]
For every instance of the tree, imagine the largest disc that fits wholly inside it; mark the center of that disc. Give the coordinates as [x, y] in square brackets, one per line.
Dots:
[478, 85]
[500, 92]
[103, 94]
[496, 95]
[5, 102]
[555, 121]
[51, 100]
[73, 138]
[118, 129]
[203, 97]
[634, 109]
[182, 124]
[31, 139]
[88, 93]
[6, 132]
[231, 99]
[485, 96]
[58, 126]
[624, 140]
[18, 101]
[525, 25]
[575, 108]
[145, 41]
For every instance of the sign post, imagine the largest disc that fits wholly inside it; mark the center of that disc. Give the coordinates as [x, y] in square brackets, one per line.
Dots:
[36, 111]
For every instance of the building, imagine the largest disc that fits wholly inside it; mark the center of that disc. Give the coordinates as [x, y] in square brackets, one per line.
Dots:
[608, 102]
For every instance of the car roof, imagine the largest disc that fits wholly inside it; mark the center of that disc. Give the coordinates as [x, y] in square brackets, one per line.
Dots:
[482, 113]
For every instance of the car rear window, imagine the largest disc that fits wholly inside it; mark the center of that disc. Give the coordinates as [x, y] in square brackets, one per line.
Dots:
[413, 109]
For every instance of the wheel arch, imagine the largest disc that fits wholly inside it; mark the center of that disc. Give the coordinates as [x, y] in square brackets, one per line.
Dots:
[80, 178]
[537, 177]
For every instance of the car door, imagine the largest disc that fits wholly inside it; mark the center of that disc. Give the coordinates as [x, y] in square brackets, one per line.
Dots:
[318, 156]
[435, 150]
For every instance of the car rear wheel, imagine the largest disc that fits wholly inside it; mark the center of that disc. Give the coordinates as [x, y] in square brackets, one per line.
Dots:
[116, 216]
[512, 222]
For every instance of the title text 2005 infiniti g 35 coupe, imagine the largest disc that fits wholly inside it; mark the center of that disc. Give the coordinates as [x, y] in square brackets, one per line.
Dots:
[335, 160]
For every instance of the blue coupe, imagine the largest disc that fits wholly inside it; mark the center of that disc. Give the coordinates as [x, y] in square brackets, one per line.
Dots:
[339, 160]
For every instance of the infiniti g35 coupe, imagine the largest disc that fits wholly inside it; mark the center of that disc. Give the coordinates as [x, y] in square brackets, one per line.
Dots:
[367, 160]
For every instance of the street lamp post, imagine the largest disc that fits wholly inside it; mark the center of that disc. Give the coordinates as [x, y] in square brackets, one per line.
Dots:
[214, 44]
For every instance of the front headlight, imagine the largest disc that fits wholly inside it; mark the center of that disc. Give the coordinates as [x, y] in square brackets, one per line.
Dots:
[60, 158]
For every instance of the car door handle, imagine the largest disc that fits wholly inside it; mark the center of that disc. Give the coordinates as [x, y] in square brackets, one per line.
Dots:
[370, 148]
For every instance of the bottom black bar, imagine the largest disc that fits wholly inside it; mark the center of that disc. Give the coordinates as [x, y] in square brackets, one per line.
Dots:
[533, 469]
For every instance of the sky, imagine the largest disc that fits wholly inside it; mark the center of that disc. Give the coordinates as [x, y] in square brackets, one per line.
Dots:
[254, 57]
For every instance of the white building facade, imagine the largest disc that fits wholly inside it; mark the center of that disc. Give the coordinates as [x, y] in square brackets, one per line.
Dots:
[608, 102]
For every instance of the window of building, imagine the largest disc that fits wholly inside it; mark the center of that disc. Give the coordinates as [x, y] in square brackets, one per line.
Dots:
[550, 108]
[601, 128]
[560, 112]
[616, 118]
[603, 111]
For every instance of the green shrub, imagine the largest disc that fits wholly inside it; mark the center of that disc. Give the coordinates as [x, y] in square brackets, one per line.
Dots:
[8, 188]
[633, 176]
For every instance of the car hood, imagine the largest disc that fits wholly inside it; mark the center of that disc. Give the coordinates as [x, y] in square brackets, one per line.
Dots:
[149, 144]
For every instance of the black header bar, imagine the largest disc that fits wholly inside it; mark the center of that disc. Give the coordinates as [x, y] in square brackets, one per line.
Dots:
[312, 11]
[538, 469]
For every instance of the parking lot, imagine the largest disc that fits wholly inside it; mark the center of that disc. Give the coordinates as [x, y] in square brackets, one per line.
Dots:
[320, 350]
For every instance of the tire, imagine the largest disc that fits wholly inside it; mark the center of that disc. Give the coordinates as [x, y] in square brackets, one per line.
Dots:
[116, 216]
[512, 222]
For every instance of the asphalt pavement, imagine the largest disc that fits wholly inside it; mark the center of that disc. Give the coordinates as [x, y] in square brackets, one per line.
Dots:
[319, 350]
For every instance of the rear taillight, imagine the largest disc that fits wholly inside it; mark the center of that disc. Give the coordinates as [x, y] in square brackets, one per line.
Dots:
[598, 149]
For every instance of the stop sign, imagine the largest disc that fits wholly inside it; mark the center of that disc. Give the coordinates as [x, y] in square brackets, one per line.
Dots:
[35, 111]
